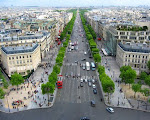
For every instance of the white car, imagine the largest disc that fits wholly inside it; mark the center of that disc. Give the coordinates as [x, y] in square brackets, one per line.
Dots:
[85, 53]
[85, 79]
[90, 84]
[94, 86]
[81, 80]
[93, 81]
[111, 110]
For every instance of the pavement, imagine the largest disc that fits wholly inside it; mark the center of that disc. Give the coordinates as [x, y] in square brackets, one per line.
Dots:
[38, 100]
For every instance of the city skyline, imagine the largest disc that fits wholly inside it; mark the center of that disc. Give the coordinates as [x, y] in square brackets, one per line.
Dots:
[72, 3]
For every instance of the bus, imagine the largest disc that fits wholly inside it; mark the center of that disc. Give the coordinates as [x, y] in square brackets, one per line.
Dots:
[87, 66]
[92, 66]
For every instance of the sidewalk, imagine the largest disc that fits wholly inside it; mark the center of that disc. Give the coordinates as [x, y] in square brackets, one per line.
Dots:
[117, 99]
[38, 100]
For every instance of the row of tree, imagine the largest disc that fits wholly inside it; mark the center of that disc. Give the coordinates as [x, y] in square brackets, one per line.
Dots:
[49, 87]
[107, 84]
[91, 36]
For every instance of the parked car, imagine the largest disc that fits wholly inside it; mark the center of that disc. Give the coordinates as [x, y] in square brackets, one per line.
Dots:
[90, 84]
[84, 118]
[85, 79]
[94, 91]
[93, 81]
[83, 66]
[81, 80]
[81, 84]
[94, 86]
[92, 103]
[109, 109]
[83, 59]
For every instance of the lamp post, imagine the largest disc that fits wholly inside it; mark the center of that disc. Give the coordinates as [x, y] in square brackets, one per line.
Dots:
[8, 103]
[118, 101]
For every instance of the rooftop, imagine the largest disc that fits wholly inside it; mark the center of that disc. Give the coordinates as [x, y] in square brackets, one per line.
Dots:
[19, 49]
[135, 47]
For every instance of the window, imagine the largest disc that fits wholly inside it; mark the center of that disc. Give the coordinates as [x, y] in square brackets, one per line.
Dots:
[20, 61]
[31, 60]
[129, 55]
[139, 56]
[27, 61]
[143, 56]
[27, 56]
[20, 57]
[9, 58]
[138, 61]
[17, 62]
[133, 55]
[12, 57]
[17, 57]
[146, 57]
[30, 56]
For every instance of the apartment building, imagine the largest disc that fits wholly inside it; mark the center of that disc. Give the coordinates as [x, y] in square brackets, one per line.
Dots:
[20, 59]
[135, 55]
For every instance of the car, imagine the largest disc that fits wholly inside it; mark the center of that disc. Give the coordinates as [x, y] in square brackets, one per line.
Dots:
[94, 91]
[92, 103]
[81, 80]
[83, 66]
[83, 59]
[93, 81]
[90, 84]
[85, 79]
[84, 118]
[109, 109]
[85, 53]
[81, 84]
[90, 57]
[94, 86]
[75, 61]
[89, 80]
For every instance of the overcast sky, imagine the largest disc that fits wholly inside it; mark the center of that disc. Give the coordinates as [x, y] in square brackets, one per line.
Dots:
[77, 3]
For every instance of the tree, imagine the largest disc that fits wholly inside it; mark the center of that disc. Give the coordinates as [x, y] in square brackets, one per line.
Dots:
[101, 69]
[16, 79]
[97, 58]
[148, 64]
[125, 68]
[56, 69]
[136, 88]
[128, 76]
[47, 89]
[2, 93]
[143, 75]
[147, 80]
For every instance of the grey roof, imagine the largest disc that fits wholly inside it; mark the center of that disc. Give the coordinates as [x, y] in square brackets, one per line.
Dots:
[19, 49]
[136, 47]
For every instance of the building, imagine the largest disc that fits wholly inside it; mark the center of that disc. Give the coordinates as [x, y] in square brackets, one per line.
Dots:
[135, 55]
[20, 59]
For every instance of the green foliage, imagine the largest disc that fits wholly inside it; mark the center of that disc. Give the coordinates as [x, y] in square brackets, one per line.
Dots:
[16, 79]
[147, 80]
[127, 74]
[145, 91]
[5, 83]
[47, 88]
[143, 75]
[2, 93]
[97, 58]
[148, 64]
[136, 88]
[56, 69]
[101, 69]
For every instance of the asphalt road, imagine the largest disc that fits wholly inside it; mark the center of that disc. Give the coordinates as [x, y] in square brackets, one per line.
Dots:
[68, 106]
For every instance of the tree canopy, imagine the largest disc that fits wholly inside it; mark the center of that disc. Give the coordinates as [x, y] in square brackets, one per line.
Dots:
[16, 79]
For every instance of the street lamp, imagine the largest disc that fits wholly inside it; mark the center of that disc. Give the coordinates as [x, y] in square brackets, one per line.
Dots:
[118, 101]
[8, 103]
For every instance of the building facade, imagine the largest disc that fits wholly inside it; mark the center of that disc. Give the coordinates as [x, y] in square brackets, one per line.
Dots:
[20, 59]
[135, 55]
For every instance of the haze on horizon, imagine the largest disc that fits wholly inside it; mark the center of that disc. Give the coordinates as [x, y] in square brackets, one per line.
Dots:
[72, 3]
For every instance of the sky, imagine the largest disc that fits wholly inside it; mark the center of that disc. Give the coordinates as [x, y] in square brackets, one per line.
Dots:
[72, 3]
